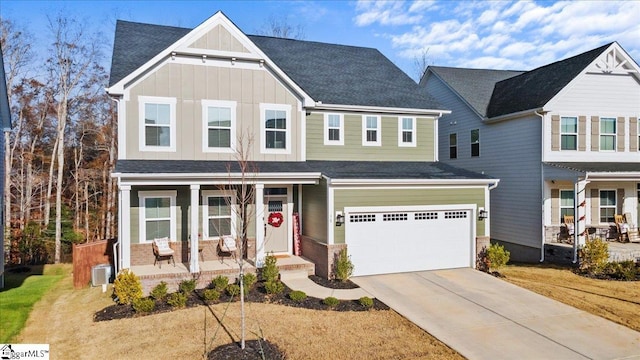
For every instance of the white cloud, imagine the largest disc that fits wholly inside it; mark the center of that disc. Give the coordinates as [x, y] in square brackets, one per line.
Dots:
[384, 13]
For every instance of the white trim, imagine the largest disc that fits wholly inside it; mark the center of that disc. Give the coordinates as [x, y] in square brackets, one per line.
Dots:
[194, 265]
[471, 207]
[450, 182]
[142, 101]
[378, 110]
[560, 207]
[172, 195]
[471, 142]
[600, 207]
[414, 132]
[340, 128]
[601, 134]
[456, 146]
[330, 213]
[378, 130]
[122, 128]
[259, 199]
[205, 212]
[124, 226]
[231, 105]
[436, 138]
[263, 138]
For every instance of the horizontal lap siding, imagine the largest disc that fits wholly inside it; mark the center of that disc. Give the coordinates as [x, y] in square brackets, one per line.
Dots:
[314, 211]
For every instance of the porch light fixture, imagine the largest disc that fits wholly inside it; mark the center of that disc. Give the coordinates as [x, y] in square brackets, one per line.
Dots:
[339, 219]
[483, 214]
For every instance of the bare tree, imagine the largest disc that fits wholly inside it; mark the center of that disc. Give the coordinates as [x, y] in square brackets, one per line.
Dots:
[420, 64]
[281, 28]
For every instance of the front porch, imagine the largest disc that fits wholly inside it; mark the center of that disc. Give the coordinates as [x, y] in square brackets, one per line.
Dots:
[561, 253]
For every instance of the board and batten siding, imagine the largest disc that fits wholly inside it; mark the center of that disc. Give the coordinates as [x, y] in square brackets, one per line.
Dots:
[314, 211]
[189, 84]
[219, 38]
[406, 197]
[353, 149]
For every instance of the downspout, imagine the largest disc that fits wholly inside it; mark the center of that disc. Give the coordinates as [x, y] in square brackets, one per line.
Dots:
[436, 145]
[542, 213]
[117, 251]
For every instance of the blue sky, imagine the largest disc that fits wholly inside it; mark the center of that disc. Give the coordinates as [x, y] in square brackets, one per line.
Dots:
[480, 34]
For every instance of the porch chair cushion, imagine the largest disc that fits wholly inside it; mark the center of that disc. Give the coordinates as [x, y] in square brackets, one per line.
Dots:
[228, 244]
[162, 244]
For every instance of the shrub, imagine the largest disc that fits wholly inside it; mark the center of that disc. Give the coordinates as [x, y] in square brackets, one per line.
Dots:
[127, 287]
[624, 270]
[497, 256]
[297, 295]
[211, 295]
[187, 286]
[331, 301]
[270, 271]
[274, 287]
[144, 305]
[482, 261]
[366, 302]
[594, 256]
[249, 280]
[343, 266]
[220, 283]
[233, 290]
[177, 299]
[159, 292]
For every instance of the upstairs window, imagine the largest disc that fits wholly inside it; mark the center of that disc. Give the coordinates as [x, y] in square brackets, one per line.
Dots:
[406, 131]
[371, 132]
[607, 134]
[566, 204]
[453, 146]
[219, 119]
[158, 123]
[475, 142]
[276, 128]
[333, 129]
[568, 133]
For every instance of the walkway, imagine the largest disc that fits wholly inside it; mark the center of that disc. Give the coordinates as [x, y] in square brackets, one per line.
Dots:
[299, 280]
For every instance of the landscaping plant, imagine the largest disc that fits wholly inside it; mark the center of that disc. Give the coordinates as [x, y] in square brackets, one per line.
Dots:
[187, 286]
[594, 256]
[331, 301]
[220, 283]
[366, 302]
[249, 279]
[127, 287]
[343, 266]
[297, 295]
[497, 256]
[270, 269]
[233, 290]
[144, 305]
[177, 299]
[159, 292]
[211, 295]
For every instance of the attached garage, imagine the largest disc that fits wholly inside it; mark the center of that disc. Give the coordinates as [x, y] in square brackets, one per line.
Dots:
[383, 240]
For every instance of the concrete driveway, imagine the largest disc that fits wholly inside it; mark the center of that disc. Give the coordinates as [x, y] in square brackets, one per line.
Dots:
[482, 317]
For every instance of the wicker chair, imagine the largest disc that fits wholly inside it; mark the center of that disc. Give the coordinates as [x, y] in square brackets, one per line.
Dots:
[162, 250]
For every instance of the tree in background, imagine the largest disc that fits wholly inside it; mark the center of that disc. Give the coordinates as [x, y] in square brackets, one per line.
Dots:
[281, 28]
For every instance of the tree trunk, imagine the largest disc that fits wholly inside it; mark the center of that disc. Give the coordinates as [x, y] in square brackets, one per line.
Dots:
[47, 199]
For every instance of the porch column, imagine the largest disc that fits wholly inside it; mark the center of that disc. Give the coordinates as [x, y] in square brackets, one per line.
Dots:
[259, 194]
[194, 267]
[580, 211]
[124, 230]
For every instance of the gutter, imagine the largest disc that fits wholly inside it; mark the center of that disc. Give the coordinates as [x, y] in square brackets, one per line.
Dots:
[376, 109]
[518, 114]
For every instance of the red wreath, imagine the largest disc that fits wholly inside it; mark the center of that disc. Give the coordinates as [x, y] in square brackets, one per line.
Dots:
[275, 219]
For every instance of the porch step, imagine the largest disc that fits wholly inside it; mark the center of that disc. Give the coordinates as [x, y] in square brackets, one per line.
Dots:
[294, 264]
[634, 236]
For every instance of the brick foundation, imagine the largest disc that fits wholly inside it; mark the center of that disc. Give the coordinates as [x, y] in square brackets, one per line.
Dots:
[322, 255]
[142, 254]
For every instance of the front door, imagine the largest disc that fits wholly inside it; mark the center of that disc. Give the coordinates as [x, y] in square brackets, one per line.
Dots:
[276, 238]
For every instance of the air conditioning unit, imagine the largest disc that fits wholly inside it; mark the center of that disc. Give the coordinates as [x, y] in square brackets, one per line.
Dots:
[100, 274]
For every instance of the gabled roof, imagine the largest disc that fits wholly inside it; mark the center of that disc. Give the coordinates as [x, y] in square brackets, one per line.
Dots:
[474, 86]
[5, 113]
[533, 89]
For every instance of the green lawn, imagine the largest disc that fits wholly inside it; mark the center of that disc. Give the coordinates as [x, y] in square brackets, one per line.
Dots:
[21, 291]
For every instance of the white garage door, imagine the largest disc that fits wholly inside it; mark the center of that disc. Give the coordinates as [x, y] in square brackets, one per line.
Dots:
[382, 242]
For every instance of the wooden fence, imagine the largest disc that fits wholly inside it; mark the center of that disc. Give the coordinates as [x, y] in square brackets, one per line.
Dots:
[86, 256]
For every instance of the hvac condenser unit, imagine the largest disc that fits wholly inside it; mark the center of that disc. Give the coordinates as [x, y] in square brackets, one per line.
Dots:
[100, 274]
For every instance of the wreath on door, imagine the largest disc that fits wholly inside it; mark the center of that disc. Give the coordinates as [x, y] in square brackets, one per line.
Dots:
[275, 219]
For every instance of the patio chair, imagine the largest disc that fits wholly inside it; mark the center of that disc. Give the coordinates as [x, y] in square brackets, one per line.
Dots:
[566, 229]
[622, 227]
[227, 246]
[162, 250]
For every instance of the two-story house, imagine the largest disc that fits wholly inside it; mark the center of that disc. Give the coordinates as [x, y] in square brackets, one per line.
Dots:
[335, 134]
[563, 139]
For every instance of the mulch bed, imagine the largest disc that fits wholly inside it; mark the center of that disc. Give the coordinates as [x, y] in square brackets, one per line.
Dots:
[333, 284]
[254, 349]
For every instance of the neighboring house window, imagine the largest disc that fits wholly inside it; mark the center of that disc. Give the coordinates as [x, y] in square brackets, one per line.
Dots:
[371, 130]
[276, 128]
[157, 215]
[158, 123]
[218, 214]
[569, 133]
[406, 131]
[333, 129]
[453, 146]
[475, 142]
[219, 121]
[608, 134]
[566, 204]
[607, 206]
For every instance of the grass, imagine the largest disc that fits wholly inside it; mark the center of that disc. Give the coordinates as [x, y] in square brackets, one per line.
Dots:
[618, 301]
[21, 292]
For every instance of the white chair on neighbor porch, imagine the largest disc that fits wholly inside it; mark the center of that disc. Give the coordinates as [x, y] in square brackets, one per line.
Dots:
[622, 227]
[162, 250]
[227, 246]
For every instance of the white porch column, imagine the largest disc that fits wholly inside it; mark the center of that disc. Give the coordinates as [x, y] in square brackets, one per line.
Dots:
[194, 267]
[259, 194]
[124, 234]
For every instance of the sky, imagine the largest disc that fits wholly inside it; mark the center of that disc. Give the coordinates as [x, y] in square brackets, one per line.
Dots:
[519, 35]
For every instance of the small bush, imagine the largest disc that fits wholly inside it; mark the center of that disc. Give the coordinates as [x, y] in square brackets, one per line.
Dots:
[497, 256]
[220, 283]
[331, 301]
[177, 299]
[187, 286]
[343, 266]
[624, 270]
[366, 302]
[249, 280]
[159, 292]
[211, 295]
[127, 287]
[274, 287]
[233, 290]
[594, 256]
[297, 295]
[270, 271]
[144, 305]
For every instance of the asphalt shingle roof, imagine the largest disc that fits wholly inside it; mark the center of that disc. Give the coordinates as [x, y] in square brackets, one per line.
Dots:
[601, 167]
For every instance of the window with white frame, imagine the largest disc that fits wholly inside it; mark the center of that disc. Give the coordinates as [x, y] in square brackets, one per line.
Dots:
[157, 215]
[157, 123]
[453, 146]
[406, 131]
[371, 130]
[218, 219]
[219, 121]
[607, 206]
[276, 128]
[608, 134]
[475, 142]
[333, 129]
[566, 204]
[568, 133]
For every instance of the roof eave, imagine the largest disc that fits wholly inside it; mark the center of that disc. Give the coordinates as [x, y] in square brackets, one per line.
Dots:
[515, 115]
[378, 109]
[450, 182]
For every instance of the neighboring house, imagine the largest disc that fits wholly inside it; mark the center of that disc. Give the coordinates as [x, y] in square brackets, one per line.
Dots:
[341, 136]
[5, 118]
[562, 138]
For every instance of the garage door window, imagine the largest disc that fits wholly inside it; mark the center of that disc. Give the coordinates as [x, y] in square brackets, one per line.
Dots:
[362, 217]
[426, 216]
[455, 215]
[394, 217]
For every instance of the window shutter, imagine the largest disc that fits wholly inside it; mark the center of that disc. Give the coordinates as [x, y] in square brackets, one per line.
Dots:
[620, 132]
[633, 134]
[619, 201]
[582, 133]
[555, 206]
[555, 132]
[595, 206]
[595, 133]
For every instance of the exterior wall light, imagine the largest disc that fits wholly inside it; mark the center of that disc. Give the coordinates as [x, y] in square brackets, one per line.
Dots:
[483, 214]
[339, 218]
